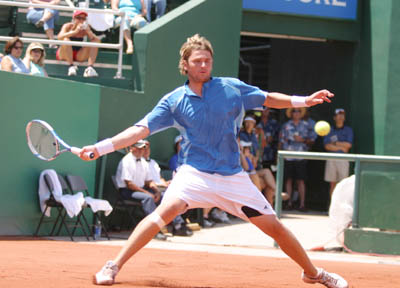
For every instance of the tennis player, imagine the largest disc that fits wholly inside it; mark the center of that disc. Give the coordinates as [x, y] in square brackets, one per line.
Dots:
[208, 112]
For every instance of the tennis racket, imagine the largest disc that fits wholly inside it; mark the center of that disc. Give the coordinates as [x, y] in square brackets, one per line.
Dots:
[45, 143]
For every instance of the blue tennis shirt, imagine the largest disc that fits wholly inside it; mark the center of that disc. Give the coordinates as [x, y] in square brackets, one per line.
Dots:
[209, 124]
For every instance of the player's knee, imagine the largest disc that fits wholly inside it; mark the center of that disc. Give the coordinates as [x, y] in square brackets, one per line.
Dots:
[157, 219]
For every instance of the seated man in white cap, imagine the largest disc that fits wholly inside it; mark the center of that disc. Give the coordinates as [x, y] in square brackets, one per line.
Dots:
[135, 182]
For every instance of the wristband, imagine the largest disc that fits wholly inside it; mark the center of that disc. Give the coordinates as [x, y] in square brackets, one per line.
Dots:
[298, 101]
[104, 147]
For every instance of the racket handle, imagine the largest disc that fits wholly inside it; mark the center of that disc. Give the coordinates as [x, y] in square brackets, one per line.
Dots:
[77, 151]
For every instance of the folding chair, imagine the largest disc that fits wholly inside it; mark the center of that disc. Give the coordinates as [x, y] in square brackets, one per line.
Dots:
[81, 215]
[128, 207]
[61, 213]
[77, 184]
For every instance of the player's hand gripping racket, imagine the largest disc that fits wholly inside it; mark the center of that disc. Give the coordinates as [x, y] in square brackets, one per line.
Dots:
[45, 143]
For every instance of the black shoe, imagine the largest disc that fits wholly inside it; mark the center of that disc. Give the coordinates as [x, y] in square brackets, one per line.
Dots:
[183, 231]
[289, 206]
[207, 223]
[303, 209]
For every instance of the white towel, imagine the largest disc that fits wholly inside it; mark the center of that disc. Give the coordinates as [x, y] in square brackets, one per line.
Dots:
[72, 203]
[99, 205]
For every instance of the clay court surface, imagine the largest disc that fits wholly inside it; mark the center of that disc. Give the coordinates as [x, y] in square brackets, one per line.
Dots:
[48, 263]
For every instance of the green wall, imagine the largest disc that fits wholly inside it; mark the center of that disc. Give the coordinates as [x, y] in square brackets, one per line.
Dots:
[72, 109]
[377, 78]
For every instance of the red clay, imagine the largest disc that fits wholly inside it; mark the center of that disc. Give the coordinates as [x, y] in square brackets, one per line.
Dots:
[45, 263]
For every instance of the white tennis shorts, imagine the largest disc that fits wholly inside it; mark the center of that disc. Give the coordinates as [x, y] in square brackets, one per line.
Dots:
[229, 193]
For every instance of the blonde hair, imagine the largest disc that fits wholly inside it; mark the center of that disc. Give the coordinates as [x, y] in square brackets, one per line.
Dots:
[196, 42]
[30, 48]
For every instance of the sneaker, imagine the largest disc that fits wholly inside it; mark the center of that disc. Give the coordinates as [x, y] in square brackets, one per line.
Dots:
[90, 72]
[183, 231]
[330, 280]
[220, 216]
[302, 209]
[208, 223]
[106, 275]
[160, 236]
[72, 70]
[39, 24]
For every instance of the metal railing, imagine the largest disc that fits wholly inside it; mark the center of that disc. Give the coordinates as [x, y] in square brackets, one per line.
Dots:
[118, 46]
[357, 158]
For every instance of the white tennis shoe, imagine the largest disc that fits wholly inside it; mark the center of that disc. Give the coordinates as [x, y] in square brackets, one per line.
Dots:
[330, 280]
[72, 70]
[90, 72]
[107, 274]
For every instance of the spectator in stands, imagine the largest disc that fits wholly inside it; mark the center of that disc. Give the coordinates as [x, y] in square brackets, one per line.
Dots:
[248, 162]
[12, 61]
[293, 137]
[160, 8]
[135, 13]
[44, 17]
[339, 140]
[34, 59]
[76, 31]
[1, 57]
[248, 134]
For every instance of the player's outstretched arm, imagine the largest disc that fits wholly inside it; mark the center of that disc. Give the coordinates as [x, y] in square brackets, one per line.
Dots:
[279, 100]
[124, 139]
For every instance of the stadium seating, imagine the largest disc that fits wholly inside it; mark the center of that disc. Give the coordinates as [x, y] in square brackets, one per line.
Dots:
[13, 22]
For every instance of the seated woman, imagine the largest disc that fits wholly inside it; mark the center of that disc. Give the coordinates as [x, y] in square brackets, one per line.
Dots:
[44, 17]
[34, 59]
[248, 162]
[135, 12]
[12, 60]
[76, 31]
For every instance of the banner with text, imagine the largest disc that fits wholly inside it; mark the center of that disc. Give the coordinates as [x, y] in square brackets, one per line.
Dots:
[341, 9]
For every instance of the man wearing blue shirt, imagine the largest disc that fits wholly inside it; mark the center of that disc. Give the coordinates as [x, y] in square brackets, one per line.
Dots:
[208, 112]
[339, 140]
[293, 137]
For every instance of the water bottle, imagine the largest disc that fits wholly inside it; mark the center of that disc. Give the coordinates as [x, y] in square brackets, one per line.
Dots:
[97, 230]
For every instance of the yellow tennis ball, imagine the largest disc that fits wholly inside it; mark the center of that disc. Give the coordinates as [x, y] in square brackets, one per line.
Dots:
[322, 128]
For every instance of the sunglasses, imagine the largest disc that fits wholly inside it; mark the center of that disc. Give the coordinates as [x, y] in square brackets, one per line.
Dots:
[18, 47]
[295, 111]
[37, 50]
[80, 18]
